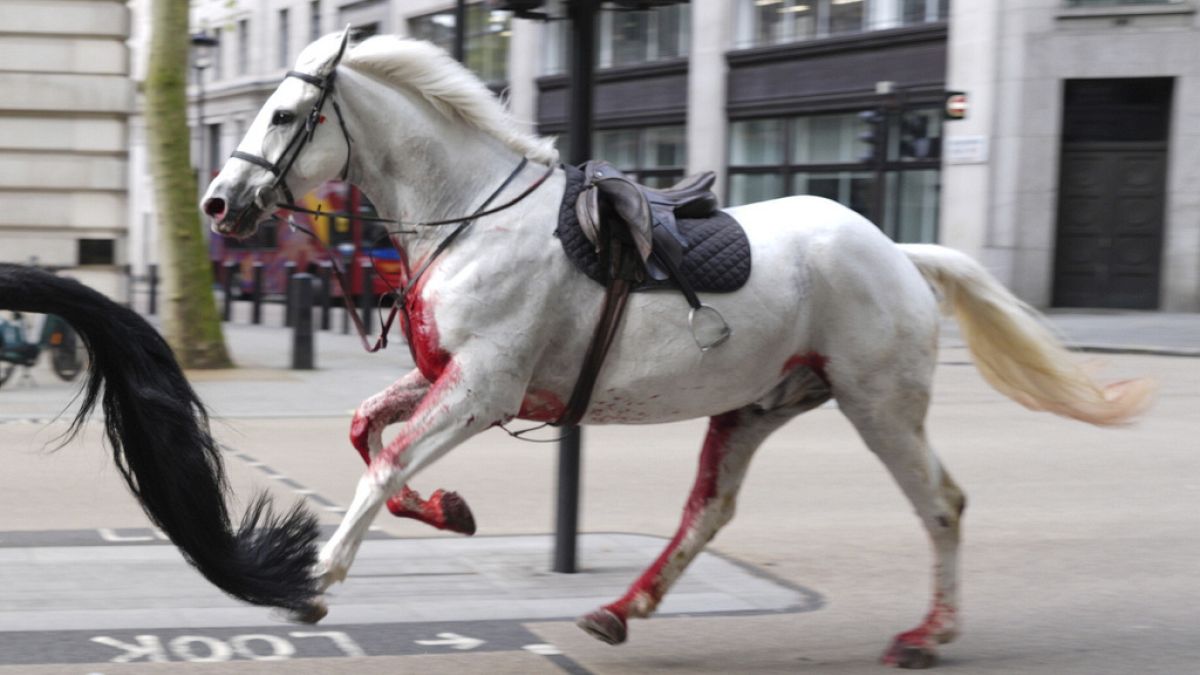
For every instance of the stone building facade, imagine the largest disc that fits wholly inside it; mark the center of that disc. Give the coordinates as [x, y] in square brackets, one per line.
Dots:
[1065, 97]
[64, 68]
[1074, 176]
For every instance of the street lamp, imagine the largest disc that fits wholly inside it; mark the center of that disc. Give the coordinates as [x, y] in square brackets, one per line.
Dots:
[202, 46]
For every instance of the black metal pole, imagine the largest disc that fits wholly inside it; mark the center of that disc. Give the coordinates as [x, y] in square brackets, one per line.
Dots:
[583, 51]
[256, 309]
[367, 297]
[289, 300]
[460, 31]
[153, 279]
[227, 269]
[326, 272]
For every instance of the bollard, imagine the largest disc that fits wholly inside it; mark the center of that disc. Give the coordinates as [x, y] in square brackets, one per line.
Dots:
[256, 311]
[347, 292]
[300, 288]
[289, 302]
[227, 286]
[326, 270]
[152, 276]
[367, 297]
[127, 275]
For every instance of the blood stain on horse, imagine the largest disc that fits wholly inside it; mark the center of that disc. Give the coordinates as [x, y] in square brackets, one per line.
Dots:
[421, 329]
[541, 405]
[421, 420]
[648, 590]
[814, 361]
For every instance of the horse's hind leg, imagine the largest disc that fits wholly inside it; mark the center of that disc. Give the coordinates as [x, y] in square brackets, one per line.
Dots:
[890, 418]
[443, 510]
[732, 439]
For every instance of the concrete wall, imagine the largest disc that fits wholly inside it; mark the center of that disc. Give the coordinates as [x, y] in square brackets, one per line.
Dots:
[1012, 59]
[63, 137]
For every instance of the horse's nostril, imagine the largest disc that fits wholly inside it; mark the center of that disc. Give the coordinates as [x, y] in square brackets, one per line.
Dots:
[214, 207]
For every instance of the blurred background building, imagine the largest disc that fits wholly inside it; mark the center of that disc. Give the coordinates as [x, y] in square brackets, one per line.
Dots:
[64, 68]
[1069, 174]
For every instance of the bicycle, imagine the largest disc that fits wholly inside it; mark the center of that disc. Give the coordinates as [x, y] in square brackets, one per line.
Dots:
[67, 352]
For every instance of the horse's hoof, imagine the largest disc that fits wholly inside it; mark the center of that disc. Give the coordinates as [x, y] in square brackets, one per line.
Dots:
[309, 615]
[604, 626]
[908, 655]
[456, 515]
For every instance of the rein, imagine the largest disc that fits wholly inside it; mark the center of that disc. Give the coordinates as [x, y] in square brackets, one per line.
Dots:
[287, 159]
[283, 166]
[401, 295]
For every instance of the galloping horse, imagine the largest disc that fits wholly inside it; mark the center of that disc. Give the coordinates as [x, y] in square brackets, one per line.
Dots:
[498, 319]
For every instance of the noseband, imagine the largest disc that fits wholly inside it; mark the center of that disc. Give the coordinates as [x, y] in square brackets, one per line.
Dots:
[303, 135]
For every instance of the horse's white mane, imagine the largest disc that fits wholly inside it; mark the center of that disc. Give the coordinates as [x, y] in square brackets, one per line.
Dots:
[448, 86]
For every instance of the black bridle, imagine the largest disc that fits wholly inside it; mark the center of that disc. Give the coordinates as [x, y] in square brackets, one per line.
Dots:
[303, 135]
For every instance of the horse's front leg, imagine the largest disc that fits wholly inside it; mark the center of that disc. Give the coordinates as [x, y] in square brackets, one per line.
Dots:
[465, 400]
[443, 510]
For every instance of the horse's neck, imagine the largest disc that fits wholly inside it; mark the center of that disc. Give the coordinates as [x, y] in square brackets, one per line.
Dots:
[425, 168]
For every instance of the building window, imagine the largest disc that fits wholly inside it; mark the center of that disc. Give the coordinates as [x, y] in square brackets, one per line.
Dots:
[243, 47]
[770, 22]
[824, 155]
[924, 11]
[485, 42]
[283, 59]
[363, 31]
[1112, 3]
[628, 38]
[218, 56]
[215, 157]
[96, 252]
[625, 37]
[314, 20]
[655, 156]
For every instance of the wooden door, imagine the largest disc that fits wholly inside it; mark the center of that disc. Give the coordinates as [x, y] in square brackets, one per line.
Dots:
[1110, 225]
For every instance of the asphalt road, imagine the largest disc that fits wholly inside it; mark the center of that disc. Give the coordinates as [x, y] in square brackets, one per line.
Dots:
[1080, 555]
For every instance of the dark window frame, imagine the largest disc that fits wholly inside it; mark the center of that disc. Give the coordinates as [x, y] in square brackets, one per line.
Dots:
[788, 169]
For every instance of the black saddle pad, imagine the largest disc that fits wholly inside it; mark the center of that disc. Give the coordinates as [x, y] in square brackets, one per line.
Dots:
[716, 258]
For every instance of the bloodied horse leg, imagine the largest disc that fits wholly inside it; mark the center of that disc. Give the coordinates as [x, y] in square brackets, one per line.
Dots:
[891, 422]
[732, 439]
[463, 401]
[443, 510]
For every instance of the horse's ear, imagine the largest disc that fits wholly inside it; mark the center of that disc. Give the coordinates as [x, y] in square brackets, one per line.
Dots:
[337, 58]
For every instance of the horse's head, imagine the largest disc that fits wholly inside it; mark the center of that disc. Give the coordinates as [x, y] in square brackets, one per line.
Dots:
[295, 143]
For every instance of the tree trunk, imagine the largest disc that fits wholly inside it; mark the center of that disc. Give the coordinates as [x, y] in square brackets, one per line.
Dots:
[191, 323]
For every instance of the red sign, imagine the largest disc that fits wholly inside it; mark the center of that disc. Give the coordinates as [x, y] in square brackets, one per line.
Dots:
[956, 105]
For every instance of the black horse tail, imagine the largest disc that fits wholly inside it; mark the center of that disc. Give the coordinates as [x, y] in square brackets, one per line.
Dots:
[158, 430]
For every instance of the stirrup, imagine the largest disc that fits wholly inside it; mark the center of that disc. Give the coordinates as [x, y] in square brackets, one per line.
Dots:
[722, 334]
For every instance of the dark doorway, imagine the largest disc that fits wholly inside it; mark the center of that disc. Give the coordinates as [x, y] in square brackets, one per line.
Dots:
[1112, 193]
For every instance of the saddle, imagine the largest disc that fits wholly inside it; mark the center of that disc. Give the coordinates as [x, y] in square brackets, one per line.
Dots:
[631, 237]
[649, 214]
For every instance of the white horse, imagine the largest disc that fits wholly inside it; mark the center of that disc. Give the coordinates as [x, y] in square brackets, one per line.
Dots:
[498, 322]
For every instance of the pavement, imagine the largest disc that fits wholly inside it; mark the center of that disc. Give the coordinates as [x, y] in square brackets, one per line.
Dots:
[1080, 553]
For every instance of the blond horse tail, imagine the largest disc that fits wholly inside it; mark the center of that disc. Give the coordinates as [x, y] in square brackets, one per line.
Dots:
[1014, 349]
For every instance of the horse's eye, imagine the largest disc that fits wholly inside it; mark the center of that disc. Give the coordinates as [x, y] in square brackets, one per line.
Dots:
[283, 117]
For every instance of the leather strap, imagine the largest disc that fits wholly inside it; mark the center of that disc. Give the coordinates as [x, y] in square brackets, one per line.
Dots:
[616, 296]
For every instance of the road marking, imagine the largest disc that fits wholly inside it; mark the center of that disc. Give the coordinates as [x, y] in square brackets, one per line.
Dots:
[543, 649]
[454, 640]
[110, 535]
[269, 472]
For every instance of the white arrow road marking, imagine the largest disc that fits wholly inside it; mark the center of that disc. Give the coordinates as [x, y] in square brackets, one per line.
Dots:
[111, 535]
[452, 640]
[543, 649]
